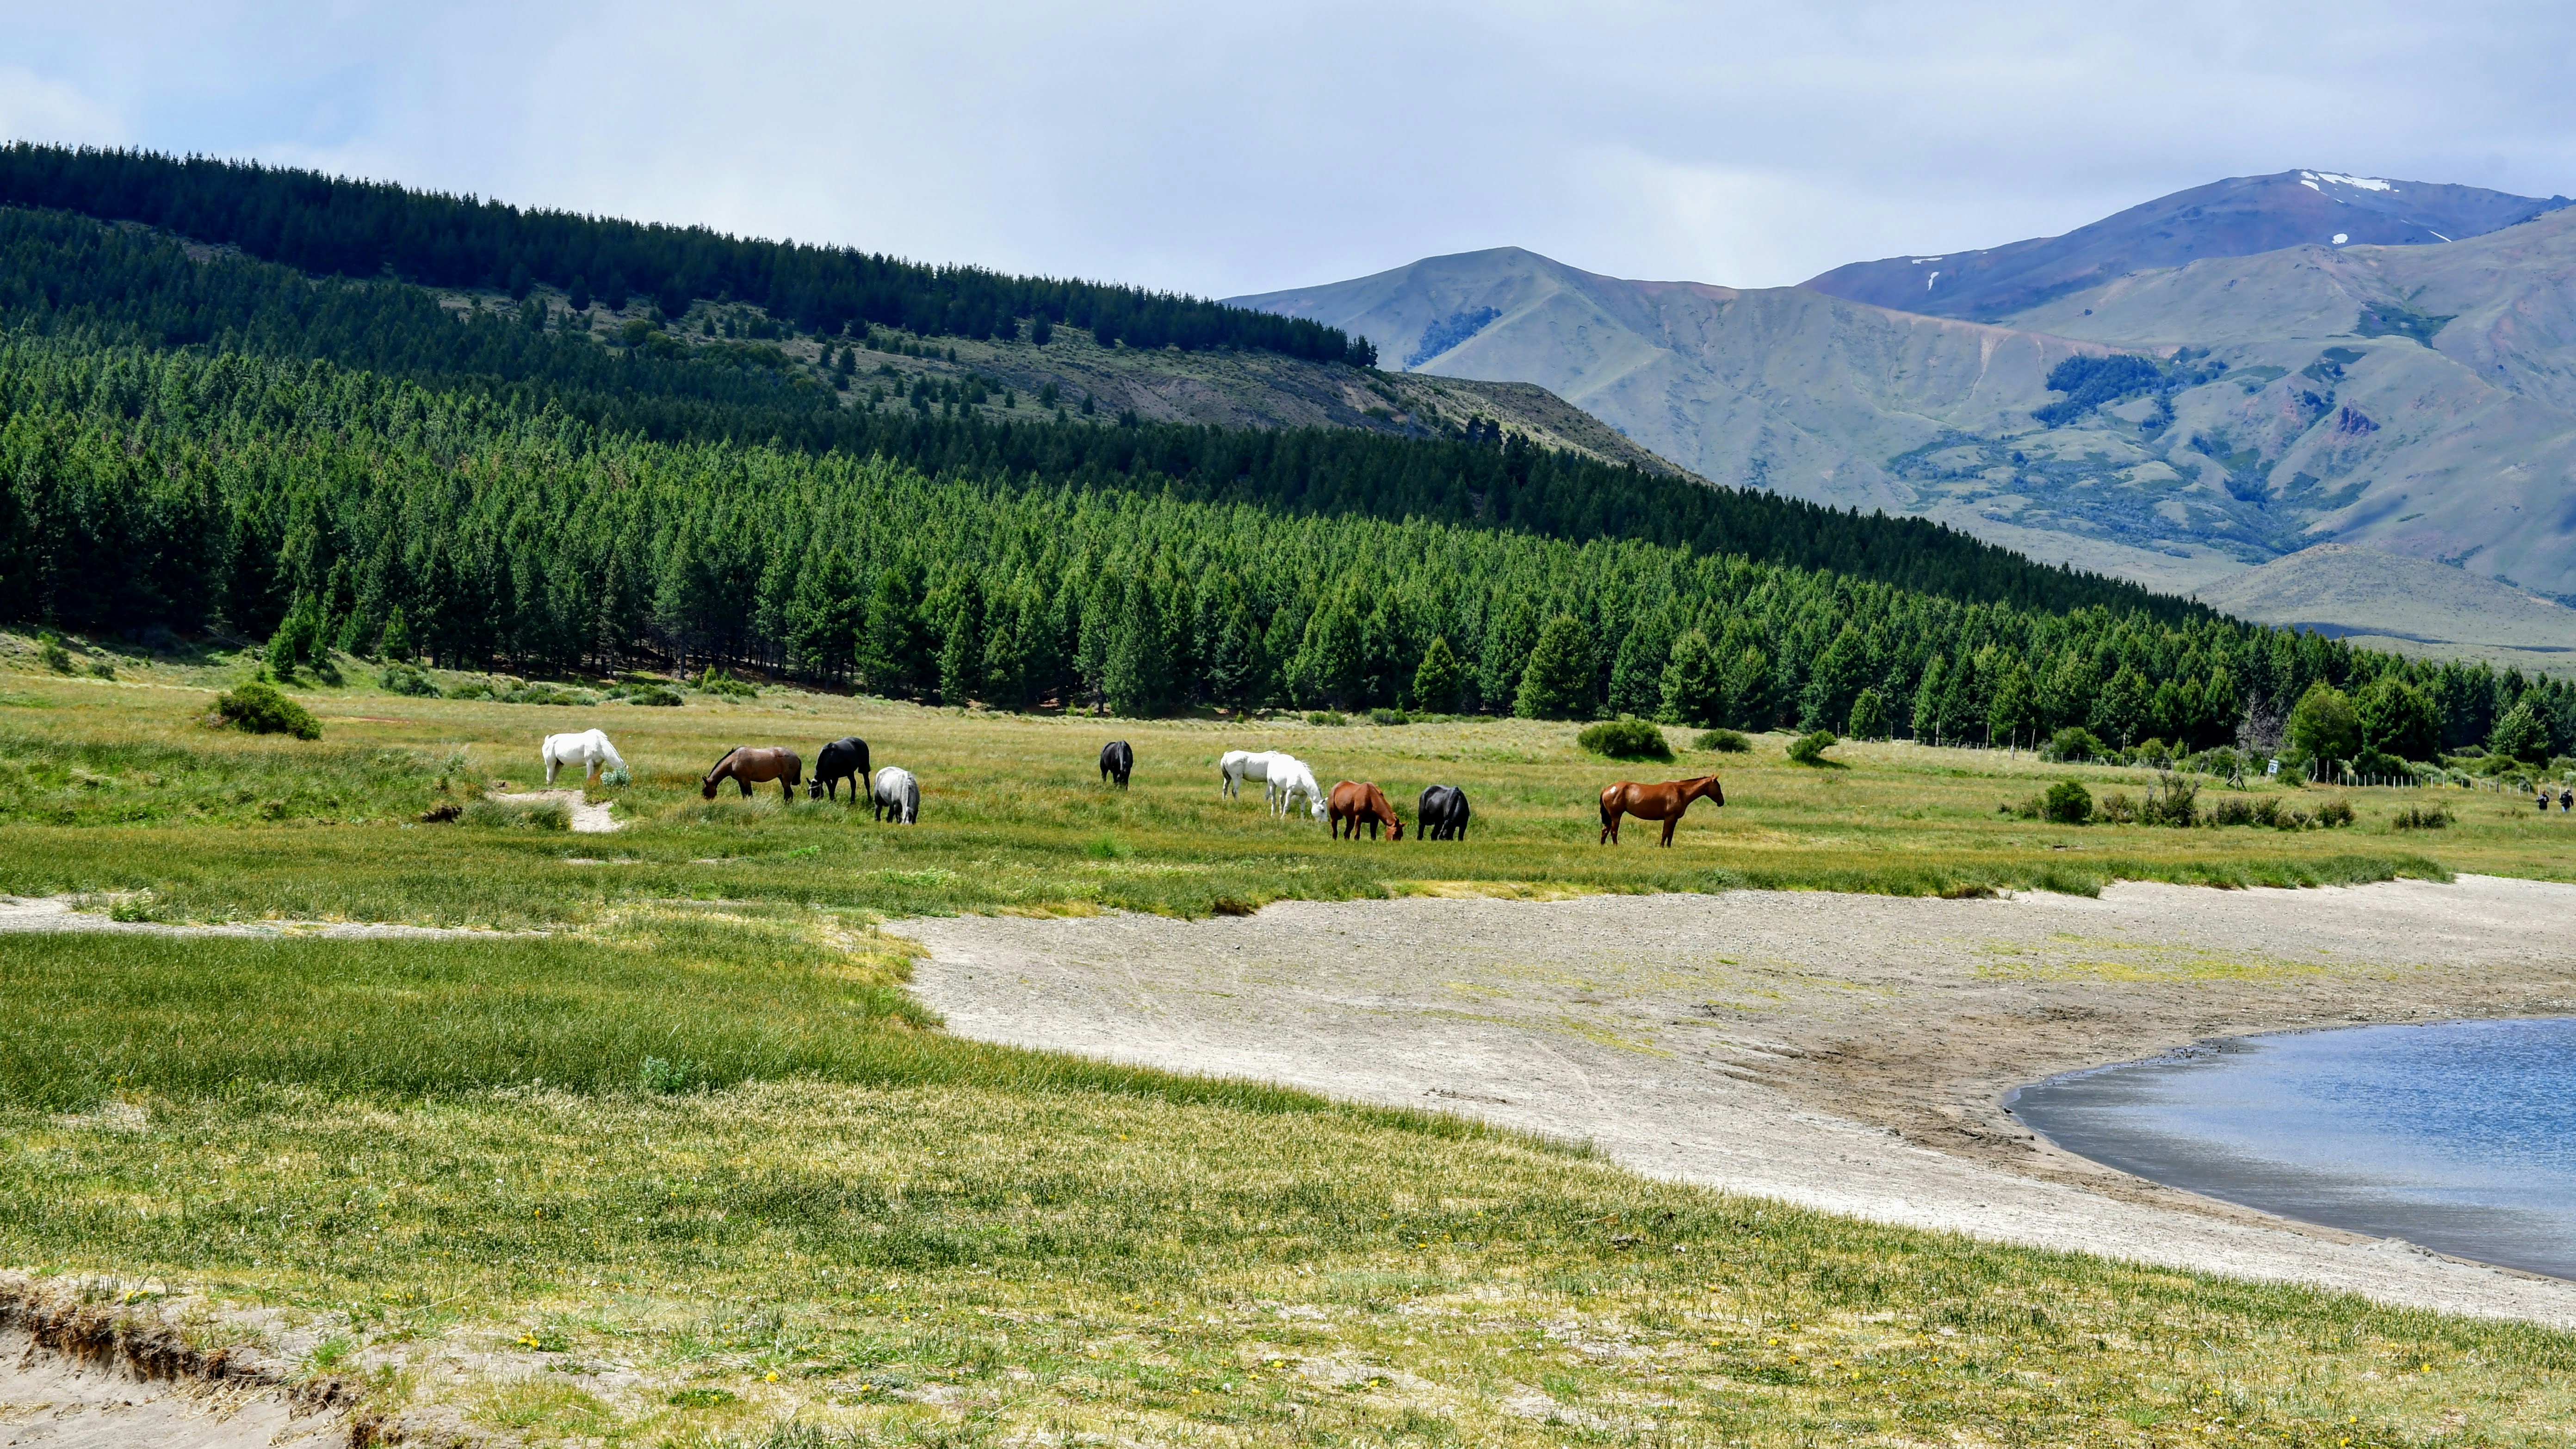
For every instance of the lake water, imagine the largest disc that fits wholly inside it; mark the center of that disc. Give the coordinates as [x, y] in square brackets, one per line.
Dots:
[2460, 1136]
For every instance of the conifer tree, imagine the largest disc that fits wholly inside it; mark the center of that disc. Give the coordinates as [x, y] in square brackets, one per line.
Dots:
[1558, 682]
[1505, 655]
[1437, 680]
[961, 644]
[395, 641]
[1868, 716]
[1694, 683]
[1137, 676]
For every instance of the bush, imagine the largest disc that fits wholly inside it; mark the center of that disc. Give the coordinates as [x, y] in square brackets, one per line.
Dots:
[1389, 717]
[1327, 717]
[716, 681]
[50, 652]
[653, 694]
[1625, 738]
[473, 689]
[2424, 817]
[2067, 803]
[102, 669]
[1809, 749]
[519, 814]
[2074, 744]
[1725, 742]
[2334, 814]
[2381, 765]
[616, 775]
[403, 678]
[2116, 807]
[261, 710]
[2174, 801]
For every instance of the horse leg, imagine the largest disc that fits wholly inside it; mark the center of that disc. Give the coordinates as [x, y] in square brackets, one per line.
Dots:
[1669, 822]
[745, 782]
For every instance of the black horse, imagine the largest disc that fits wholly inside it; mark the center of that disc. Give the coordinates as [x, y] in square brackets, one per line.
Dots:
[843, 759]
[1443, 813]
[1116, 760]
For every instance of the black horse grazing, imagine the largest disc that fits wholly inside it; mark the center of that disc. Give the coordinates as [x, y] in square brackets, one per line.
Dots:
[1443, 812]
[843, 759]
[1116, 760]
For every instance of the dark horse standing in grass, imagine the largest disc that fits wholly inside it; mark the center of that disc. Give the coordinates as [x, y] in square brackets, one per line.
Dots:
[747, 766]
[1362, 803]
[1116, 762]
[1441, 814]
[1664, 802]
[843, 759]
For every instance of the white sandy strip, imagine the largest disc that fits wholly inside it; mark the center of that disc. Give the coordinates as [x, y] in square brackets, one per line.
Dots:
[1491, 1009]
[60, 913]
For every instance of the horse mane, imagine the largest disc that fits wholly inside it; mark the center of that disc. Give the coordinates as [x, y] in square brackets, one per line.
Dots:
[720, 759]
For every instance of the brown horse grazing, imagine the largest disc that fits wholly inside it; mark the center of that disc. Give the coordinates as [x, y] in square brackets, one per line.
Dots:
[1363, 803]
[748, 766]
[1664, 802]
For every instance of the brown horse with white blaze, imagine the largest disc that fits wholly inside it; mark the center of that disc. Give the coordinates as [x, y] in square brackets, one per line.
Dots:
[1665, 802]
[1362, 803]
[749, 765]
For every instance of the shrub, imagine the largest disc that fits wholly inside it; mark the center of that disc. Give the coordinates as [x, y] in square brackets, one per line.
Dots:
[1725, 742]
[1869, 716]
[50, 652]
[616, 775]
[2074, 743]
[400, 677]
[2334, 814]
[2067, 803]
[1327, 717]
[473, 689]
[1625, 738]
[653, 694]
[2424, 817]
[716, 681]
[261, 710]
[1809, 749]
[102, 669]
[519, 814]
[1389, 717]
[2378, 764]
[2175, 801]
[2116, 807]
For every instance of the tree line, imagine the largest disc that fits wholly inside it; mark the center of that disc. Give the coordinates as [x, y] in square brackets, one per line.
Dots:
[67, 277]
[341, 227]
[140, 489]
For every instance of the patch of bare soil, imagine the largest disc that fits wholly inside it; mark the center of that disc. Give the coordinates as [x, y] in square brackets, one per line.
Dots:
[587, 819]
[1851, 1053]
[77, 1374]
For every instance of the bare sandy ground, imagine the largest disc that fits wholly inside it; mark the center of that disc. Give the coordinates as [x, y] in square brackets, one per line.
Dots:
[587, 819]
[67, 1402]
[65, 913]
[1850, 1053]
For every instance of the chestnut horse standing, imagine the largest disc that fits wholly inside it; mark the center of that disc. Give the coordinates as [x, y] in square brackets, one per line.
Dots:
[1664, 802]
[1358, 803]
[748, 766]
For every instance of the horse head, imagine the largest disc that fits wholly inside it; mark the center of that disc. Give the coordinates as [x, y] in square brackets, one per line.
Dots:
[707, 786]
[1716, 793]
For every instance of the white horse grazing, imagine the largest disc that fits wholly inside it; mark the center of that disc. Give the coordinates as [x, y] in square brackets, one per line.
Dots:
[1289, 778]
[895, 795]
[590, 749]
[1236, 766]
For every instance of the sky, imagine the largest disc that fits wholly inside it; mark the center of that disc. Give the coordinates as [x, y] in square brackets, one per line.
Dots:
[1229, 149]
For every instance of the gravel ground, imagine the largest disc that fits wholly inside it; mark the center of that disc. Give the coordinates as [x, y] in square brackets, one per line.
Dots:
[1848, 1052]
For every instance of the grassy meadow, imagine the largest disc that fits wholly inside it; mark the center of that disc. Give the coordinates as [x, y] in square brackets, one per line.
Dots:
[671, 1155]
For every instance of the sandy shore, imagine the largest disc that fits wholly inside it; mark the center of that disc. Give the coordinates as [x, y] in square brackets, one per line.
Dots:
[1847, 1052]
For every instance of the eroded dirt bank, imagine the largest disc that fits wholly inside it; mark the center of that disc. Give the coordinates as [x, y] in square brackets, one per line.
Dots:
[1848, 1052]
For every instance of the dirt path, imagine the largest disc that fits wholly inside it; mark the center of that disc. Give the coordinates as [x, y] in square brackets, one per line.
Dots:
[64, 913]
[1847, 1052]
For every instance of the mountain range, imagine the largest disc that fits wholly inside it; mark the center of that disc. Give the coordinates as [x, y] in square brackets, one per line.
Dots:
[2179, 393]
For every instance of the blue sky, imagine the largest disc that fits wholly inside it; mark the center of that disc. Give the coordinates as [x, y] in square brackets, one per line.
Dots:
[1221, 150]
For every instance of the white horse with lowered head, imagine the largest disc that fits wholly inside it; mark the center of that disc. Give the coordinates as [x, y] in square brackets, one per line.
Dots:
[1289, 778]
[1236, 766]
[590, 749]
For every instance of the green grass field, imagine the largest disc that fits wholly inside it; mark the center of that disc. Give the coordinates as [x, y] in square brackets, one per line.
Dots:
[694, 1170]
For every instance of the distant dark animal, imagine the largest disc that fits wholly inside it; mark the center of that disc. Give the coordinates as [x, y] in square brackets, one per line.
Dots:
[2566, 801]
[895, 796]
[843, 759]
[1116, 760]
[1360, 803]
[1441, 813]
[747, 766]
[1664, 802]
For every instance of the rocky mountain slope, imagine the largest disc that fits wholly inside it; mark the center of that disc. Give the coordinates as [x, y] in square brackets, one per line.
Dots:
[2236, 217]
[2416, 399]
[2406, 605]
